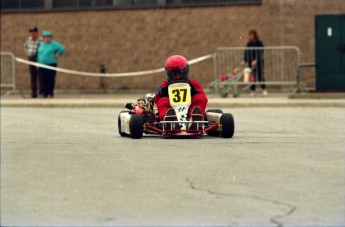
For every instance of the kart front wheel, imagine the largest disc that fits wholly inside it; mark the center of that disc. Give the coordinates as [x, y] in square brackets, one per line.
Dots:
[228, 125]
[119, 124]
[136, 126]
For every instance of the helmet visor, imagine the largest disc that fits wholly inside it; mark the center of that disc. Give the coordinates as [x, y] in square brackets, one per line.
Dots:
[177, 74]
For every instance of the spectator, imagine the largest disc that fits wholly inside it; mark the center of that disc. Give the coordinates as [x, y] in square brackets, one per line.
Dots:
[48, 53]
[30, 46]
[255, 60]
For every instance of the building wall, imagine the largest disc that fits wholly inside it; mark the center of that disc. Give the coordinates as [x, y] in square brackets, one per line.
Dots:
[134, 40]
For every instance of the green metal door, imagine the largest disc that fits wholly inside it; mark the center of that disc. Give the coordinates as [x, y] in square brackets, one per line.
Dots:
[330, 52]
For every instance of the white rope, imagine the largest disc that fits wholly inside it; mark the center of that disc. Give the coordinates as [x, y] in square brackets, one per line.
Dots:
[139, 73]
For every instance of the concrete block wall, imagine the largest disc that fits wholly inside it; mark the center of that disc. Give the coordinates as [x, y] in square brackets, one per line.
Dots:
[134, 40]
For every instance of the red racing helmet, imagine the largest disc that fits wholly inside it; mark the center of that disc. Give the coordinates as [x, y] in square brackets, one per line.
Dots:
[177, 68]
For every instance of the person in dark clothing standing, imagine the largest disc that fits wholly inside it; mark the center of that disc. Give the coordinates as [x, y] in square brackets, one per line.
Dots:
[255, 60]
[31, 46]
[48, 53]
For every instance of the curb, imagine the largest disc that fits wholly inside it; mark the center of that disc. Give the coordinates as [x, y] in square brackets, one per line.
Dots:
[317, 96]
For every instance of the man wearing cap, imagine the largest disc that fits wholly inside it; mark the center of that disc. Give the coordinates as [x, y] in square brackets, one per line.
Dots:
[48, 53]
[30, 46]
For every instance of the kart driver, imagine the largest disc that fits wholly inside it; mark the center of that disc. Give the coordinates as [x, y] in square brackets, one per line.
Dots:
[177, 69]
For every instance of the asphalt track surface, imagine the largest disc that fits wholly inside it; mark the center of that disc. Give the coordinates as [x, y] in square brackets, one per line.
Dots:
[69, 167]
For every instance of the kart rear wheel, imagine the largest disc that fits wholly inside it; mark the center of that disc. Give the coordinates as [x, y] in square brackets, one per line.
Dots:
[228, 125]
[136, 126]
[214, 132]
[119, 124]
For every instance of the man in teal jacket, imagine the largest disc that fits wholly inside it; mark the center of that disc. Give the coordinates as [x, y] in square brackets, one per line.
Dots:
[48, 53]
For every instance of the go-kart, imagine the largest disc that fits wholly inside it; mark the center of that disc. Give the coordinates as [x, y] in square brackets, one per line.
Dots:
[142, 117]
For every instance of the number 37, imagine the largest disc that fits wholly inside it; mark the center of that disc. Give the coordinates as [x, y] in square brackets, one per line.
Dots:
[179, 95]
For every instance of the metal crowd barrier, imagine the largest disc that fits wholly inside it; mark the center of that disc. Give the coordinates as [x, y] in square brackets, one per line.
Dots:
[279, 66]
[7, 68]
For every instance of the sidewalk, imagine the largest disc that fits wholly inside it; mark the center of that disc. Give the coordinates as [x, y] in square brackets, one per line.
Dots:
[119, 100]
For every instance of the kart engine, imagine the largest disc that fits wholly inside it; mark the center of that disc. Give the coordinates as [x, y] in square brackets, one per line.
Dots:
[144, 106]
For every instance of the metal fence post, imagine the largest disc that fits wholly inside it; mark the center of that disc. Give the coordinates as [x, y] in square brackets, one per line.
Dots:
[14, 73]
[298, 75]
[215, 72]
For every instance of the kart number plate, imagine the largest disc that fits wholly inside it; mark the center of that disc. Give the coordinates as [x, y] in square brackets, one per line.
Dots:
[179, 94]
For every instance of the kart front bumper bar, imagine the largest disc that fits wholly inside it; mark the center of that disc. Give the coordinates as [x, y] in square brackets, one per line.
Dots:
[179, 132]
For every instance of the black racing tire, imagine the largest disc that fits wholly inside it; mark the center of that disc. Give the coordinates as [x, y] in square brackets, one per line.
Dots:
[136, 126]
[228, 125]
[214, 132]
[119, 125]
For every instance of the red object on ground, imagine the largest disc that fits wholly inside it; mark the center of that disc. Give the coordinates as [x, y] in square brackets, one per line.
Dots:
[224, 77]
[200, 100]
